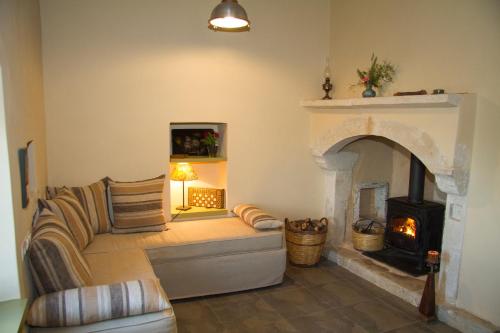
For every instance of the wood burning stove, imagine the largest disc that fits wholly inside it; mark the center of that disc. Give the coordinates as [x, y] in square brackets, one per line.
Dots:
[413, 227]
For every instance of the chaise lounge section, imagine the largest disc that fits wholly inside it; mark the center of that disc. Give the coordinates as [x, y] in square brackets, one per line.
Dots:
[196, 258]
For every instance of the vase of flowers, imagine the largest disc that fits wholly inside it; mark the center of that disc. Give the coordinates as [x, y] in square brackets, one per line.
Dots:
[211, 141]
[376, 76]
[369, 92]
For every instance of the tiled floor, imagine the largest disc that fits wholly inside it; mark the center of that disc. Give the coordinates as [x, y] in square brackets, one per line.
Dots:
[326, 298]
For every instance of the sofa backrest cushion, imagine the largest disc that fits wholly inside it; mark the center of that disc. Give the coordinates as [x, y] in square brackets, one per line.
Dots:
[88, 305]
[94, 200]
[67, 207]
[256, 218]
[137, 206]
[54, 258]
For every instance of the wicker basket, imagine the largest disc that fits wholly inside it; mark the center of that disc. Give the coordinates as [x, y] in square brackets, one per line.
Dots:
[206, 197]
[373, 240]
[304, 247]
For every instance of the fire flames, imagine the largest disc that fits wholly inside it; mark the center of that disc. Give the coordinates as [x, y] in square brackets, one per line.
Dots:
[407, 226]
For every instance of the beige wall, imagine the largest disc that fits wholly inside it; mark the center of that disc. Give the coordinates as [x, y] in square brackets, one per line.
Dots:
[117, 72]
[374, 161]
[446, 44]
[20, 60]
[401, 159]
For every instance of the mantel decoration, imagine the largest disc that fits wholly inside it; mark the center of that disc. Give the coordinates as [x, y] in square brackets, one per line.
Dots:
[376, 76]
[229, 16]
[211, 141]
[327, 86]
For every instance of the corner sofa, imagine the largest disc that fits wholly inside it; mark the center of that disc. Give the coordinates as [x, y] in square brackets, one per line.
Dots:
[189, 259]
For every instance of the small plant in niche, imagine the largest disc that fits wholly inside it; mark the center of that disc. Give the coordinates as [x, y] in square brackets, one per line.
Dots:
[211, 140]
[376, 76]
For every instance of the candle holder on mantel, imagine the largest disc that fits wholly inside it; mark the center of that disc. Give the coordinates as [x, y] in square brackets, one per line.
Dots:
[327, 87]
[427, 306]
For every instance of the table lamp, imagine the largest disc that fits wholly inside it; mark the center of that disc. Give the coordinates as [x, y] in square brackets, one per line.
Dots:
[183, 172]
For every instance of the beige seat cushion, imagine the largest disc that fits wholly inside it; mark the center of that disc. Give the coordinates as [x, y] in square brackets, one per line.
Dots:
[192, 239]
[118, 266]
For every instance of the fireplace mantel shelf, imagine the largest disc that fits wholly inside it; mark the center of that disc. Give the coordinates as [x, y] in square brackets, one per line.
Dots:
[445, 101]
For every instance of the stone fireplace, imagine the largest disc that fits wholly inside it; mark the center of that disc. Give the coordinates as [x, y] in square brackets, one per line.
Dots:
[436, 129]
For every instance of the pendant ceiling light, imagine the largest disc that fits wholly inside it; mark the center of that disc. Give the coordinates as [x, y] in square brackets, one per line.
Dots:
[229, 16]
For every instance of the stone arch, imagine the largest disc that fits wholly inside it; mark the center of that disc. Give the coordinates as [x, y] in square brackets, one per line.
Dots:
[412, 138]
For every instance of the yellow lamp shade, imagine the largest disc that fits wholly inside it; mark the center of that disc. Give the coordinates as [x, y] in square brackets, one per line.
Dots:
[183, 172]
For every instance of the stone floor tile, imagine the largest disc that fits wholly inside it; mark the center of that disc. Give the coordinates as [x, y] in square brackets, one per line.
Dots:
[339, 272]
[309, 277]
[402, 306]
[195, 316]
[433, 327]
[240, 296]
[340, 293]
[247, 309]
[293, 302]
[376, 316]
[278, 326]
[326, 321]
[288, 282]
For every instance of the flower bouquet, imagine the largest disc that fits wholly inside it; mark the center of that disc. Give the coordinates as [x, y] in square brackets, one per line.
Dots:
[211, 141]
[376, 76]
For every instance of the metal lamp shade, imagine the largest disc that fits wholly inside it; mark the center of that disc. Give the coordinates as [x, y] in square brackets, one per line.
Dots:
[229, 16]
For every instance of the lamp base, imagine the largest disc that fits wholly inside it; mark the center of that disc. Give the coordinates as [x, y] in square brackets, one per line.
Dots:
[183, 208]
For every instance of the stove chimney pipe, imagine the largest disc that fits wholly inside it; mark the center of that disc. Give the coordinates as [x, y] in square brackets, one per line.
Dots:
[417, 181]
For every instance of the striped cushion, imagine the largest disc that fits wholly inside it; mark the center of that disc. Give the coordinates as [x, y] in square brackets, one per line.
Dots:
[94, 201]
[256, 218]
[137, 206]
[88, 305]
[55, 261]
[46, 219]
[67, 207]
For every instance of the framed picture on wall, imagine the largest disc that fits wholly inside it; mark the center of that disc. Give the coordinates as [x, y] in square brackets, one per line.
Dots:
[188, 141]
[27, 171]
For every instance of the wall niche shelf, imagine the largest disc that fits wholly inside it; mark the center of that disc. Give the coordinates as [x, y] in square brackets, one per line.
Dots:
[198, 213]
[419, 101]
[197, 159]
[186, 146]
[182, 130]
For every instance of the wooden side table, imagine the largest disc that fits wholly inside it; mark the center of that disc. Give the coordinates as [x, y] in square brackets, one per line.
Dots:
[12, 315]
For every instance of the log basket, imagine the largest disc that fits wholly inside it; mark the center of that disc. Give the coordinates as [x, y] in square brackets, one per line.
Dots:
[305, 247]
[369, 237]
